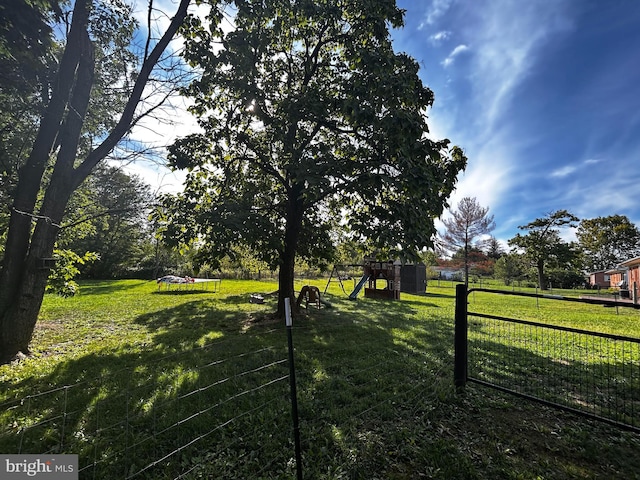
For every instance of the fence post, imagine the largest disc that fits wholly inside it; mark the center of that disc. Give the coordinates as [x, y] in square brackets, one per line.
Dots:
[460, 341]
[294, 394]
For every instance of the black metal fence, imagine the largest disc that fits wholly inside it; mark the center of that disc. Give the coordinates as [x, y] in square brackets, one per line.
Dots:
[589, 373]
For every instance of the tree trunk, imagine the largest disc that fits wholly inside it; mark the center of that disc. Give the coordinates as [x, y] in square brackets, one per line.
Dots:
[540, 268]
[286, 274]
[21, 307]
[19, 318]
[22, 280]
[466, 263]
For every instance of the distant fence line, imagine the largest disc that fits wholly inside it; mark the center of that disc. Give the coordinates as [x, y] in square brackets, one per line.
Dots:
[589, 373]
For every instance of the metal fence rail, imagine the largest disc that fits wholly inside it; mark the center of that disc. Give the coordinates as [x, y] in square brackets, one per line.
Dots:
[589, 373]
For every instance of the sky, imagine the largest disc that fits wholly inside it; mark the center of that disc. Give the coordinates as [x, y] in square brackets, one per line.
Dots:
[542, 95]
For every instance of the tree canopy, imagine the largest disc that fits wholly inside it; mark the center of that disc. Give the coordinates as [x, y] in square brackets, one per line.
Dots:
[607, 241]
[108, 216]
[468, 222]
[542, 245]
[510, 267]
[310, 122]
[95, 96]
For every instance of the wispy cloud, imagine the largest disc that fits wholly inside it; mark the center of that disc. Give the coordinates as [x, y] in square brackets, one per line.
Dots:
[454, 53]
[592, 161]
[567, 170]
[520, 101]
[507, 41]
[439, 37]
[564, 171]
[486, 184]
[438, 9]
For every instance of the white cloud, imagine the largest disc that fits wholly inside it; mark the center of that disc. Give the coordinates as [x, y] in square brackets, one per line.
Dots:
[436, 11]
[171, 120]
[507, 37]
[592, 161]
[159, 177]
[454, 53]
[158, 133]
[439, 37]
[606, 195]
[487, 177]
[564, 171]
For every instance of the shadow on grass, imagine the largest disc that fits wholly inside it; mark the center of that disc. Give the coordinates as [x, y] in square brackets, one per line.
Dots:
[244, 298]
[120, 410]
[109, 287]
[207, 386]
[438, 295]
[204, 369]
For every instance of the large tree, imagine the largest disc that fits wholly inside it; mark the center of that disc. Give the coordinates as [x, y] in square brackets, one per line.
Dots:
[543, 245]
[607, 241]
[68, 145]
[467, 223]
[492, 248]
[510, 267]
[310, 120]
[26, 57]
[109, 218]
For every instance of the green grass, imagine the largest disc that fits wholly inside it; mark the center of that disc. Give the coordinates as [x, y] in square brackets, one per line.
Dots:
[596, 375]
[197, 382]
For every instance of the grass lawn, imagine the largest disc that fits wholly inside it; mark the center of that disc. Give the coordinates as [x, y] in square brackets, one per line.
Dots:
[190, 384]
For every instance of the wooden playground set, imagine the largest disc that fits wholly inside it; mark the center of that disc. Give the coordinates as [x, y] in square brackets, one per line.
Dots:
[383, 279]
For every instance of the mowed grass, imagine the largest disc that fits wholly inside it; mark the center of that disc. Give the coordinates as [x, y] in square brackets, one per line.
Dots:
[148, 384]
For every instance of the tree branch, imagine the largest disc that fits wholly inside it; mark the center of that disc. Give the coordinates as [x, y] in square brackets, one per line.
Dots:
[124, 124]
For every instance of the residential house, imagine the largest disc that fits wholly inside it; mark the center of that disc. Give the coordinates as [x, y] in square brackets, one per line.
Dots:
[599, 279]
[633, 276]
[446, 273]
[617, 277]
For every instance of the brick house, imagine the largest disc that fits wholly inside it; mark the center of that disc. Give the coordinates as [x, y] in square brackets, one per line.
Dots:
[617, 277]
[633, 275]
[599, 279]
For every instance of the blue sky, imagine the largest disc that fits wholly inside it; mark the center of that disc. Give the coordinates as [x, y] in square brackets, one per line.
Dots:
[543, 96]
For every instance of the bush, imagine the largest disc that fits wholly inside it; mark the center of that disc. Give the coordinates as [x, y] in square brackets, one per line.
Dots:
[66, 269]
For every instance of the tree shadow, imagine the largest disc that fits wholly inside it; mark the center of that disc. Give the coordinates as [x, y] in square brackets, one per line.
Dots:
[122, 409]
[109, 287]
[438, 295]
[375, 392]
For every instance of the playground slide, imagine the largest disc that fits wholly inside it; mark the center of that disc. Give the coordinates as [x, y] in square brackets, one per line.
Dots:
[359, 286]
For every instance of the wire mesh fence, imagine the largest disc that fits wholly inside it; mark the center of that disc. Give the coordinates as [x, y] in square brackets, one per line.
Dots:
[363, 395]
[372, 389]
[223, 410]
[154, 420]
[589, 373]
